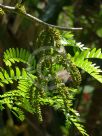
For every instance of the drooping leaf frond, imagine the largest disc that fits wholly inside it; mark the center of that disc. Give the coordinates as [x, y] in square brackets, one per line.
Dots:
[88, 54]
[90, 68]
[81, 61]
[18, 55]
[7, 77]
[76, 121]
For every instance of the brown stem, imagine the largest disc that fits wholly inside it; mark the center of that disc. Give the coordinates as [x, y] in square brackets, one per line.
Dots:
[29, 16]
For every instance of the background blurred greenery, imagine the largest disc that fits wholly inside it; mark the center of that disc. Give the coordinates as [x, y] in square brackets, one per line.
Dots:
[16, 31]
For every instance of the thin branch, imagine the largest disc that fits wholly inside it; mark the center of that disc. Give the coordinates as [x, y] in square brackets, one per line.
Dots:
[13, 9]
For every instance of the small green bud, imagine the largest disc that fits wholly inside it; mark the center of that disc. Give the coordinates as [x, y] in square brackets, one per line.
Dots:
[20, 7]
[2, 11]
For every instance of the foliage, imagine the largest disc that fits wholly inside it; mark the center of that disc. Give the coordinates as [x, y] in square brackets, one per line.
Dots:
[31, 81]
[81, 60]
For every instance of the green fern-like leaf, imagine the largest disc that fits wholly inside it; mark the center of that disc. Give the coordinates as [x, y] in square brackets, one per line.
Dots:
[90, 68]
[88, 54]
[68, 40]
[7, 77]
[18, 55]
[81, 61]
[75, 120]
[18, 113]
[4, 77]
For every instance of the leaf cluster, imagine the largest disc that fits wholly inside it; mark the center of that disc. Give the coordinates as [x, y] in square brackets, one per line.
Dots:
[31, 81]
